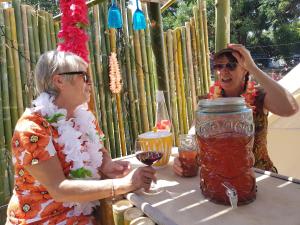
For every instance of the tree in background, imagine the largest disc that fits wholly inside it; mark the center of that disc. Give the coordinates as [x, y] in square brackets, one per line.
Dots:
[51, 6]
[269, 28]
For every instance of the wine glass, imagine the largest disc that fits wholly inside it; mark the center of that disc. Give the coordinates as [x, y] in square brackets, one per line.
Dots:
[148, 153]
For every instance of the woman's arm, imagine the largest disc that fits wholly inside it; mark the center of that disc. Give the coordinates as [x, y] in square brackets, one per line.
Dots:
[50, 174]
[277, 100]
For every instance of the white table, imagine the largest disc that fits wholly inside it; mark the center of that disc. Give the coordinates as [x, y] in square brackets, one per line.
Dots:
[181, 203]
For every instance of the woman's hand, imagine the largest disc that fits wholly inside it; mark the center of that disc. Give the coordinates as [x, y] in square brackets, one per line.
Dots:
[243, 56]
[177, 168]
[141, 178]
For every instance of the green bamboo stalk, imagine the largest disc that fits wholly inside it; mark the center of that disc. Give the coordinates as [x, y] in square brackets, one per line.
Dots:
[186, 81]
[16, 62]
[178, 87]
[48, 34]
[3, 178]
[141, 86]
[204, 16]
[198, 42]
[27, 87]
[30, 13]
[134, 71]
[17, 10]
[52, 32]
[150, 62]
[12, 87]
[222, 37]
[195, 58]
[42, 31]
[190, 66]
[202, 50]
[105, 48]
[146, 78]
[99, 69]
[56, 30]
[183, 114]
[173, 93]
[5, 100]
[36, 35]
[132, 108]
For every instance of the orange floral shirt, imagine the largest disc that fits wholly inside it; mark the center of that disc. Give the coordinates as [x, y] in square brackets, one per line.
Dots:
[35, 140]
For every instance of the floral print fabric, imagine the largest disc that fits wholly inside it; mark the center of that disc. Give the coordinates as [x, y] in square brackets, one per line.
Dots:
[35, 140]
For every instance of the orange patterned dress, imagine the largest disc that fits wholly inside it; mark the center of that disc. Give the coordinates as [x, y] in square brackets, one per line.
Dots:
[35, 140]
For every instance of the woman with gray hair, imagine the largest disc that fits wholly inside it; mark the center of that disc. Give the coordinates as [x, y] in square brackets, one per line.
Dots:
[58, 153]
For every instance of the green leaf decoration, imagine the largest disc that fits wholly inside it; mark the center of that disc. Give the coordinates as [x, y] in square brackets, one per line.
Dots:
[54, 118]
[81, 173]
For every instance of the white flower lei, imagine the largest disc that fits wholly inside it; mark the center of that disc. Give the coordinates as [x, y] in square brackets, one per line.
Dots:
[80, 139]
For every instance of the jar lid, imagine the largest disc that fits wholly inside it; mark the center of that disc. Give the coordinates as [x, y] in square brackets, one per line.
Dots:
[228, 104]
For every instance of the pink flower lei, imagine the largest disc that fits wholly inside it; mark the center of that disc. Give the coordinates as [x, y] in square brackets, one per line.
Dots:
[73, 21]
[249, 95]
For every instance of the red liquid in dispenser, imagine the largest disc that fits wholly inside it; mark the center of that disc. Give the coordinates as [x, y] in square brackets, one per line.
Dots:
[227, 158]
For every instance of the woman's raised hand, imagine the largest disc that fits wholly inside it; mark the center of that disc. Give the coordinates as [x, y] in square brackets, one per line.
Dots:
[243, 56]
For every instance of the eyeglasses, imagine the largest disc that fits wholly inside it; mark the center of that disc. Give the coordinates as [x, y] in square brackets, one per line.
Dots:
[86, 77]
[231, 66]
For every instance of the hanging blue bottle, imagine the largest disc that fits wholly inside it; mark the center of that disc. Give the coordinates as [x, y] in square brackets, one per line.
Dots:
[114, 16]
[139, 20]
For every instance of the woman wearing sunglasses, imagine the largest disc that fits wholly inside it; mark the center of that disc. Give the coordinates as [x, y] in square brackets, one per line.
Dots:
[233, 67]
[61, 166]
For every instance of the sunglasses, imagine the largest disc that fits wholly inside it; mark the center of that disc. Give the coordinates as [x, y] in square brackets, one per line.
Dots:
[86, 77]
[230, 66]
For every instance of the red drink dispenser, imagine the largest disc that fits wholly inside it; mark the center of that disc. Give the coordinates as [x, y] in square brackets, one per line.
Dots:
[225, 132]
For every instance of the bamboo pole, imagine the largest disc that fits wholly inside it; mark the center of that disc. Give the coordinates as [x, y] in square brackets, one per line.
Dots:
[18, 17]
[173, 94]
[202, 50]
[204, 16]
[140, 80]
[146, 77]
[186, 82]
[42, 31]
[180, 80]
[156, 30]
[27, 82]
[134, 71]
[30, 13]
[56, 30]
[99, 69]
[177, 79]
[132, 109]
[222, 37]
[16, 62]
[118, 98]
[150, 62]
[190, 65]
[52, 32]
[36, 35]
[46, 18]
[198, 42]
[5, 99]
[12, 88]
[105, 49]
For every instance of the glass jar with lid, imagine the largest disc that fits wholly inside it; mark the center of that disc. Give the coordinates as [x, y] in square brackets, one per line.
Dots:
[225, 135]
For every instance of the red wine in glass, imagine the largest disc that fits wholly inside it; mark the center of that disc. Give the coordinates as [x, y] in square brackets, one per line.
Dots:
[149, 157]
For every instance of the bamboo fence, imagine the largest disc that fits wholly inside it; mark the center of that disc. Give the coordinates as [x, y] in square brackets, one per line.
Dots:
[27, 33]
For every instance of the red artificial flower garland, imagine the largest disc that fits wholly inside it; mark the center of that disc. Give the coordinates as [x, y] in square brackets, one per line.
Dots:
[249, 95]
[73, 21]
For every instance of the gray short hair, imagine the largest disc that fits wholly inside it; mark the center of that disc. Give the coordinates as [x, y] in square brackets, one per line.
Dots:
[56, 62]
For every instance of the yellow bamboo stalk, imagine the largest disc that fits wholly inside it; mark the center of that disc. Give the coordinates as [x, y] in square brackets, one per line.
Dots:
[181, 90]
[178, 87]
[190, 65]
[118, 98]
